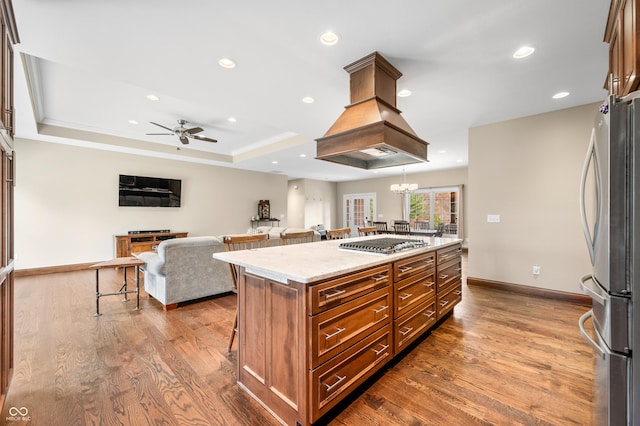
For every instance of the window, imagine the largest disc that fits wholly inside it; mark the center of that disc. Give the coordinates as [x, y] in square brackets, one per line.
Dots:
[436, 206]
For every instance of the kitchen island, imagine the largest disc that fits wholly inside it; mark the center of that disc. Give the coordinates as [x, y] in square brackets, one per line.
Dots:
[315, 321]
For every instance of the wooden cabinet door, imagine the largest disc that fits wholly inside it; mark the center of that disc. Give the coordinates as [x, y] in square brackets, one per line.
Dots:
[629, 33]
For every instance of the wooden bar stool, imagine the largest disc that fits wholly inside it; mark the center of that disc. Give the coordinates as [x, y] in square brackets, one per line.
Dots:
[241, 242]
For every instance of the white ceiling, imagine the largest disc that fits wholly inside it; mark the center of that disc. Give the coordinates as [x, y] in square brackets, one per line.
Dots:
[85, 67]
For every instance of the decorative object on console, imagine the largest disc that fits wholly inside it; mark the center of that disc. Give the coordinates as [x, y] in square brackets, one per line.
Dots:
[264, 209]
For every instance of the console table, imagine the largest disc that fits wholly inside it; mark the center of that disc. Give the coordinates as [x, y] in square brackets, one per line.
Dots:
[129, 244]
[257, 222]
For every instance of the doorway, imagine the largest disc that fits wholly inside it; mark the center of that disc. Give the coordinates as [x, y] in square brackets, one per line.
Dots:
[357, 209]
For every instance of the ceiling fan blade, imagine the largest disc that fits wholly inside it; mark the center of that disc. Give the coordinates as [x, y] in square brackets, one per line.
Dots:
[194, 130]
[155, 134]
[160, 125]
[203, 138]
[184, 139]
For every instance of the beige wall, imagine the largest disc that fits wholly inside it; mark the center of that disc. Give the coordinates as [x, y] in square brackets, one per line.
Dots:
[528, 172]
[312, 202]
[66, 201]
[389, 204]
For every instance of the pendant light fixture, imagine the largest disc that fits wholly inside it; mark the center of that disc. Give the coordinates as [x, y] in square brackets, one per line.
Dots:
[403, 188]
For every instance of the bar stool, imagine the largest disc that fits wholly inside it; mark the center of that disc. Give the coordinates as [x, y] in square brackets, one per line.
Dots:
[241, 242]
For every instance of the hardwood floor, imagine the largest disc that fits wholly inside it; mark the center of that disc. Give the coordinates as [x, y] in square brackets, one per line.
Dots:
[500, 359]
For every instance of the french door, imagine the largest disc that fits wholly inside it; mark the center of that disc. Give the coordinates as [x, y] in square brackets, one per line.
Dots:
[357, 209]
[438, 206]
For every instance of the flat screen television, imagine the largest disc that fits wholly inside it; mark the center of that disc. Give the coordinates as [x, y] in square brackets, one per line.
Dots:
[143, 191]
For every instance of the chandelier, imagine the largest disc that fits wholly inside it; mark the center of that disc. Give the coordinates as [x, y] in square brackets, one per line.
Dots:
[403, 188]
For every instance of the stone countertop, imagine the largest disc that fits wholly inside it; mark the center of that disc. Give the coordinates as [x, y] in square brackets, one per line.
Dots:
[310, 262]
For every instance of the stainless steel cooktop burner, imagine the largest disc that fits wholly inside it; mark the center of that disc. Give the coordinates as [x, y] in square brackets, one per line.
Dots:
[384, 245]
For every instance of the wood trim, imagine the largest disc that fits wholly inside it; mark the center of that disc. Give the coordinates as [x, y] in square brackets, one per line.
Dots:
[53, 269]
[578, 298]
[10, 20]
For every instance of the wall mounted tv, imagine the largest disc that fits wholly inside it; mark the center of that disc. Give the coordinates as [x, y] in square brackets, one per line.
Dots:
[143, 191]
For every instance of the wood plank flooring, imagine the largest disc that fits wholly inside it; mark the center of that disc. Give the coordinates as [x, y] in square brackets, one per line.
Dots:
[500, 359]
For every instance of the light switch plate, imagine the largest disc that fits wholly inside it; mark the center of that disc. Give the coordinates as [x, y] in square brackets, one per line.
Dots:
[493, 218]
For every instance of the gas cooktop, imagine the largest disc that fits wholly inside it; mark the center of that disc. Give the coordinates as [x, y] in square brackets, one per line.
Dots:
[384, 245]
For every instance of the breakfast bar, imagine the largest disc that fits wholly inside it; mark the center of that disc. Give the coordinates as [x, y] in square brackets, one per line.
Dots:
[316, 320]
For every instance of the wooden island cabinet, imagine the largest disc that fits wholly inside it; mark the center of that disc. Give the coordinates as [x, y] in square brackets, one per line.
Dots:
[315, 322]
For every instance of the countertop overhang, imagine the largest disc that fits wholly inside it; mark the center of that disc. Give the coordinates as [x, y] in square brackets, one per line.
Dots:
[320, 260]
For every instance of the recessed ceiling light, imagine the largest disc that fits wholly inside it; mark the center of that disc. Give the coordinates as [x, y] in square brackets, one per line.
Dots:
[523, 52]
[560, 95]
[274, 162]
[308, 100]
[133, 122]
[404, 93]
[153, 97]
[303, 155]
[329, 38]
[231, 119]
[227, 63]
[442, 151]
[458, 160]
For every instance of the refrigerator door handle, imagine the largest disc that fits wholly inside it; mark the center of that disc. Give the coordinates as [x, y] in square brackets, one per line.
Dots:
[592, 290]
[599, 350]
[591, 156]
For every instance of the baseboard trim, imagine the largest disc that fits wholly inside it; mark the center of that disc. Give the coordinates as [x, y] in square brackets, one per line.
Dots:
[581, 299]
[53, 269]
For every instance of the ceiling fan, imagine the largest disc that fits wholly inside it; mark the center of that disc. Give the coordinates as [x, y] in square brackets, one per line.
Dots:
[183, 133]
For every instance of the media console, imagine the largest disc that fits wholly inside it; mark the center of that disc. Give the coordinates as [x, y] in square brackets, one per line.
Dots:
[141, 241]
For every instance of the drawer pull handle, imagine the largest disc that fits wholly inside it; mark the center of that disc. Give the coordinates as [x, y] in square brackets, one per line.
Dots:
[404, 269]
[334, 294]
[444, 303]
[458, 292]
[380, 277]
[429, 284]
[405, 296]
[406, 331]
[381, 350]
[458, 269]
[429, 261]
[382, 308]
[444, 276]
[459, 251]
[429, 314]
[340, 380]
[329, 336]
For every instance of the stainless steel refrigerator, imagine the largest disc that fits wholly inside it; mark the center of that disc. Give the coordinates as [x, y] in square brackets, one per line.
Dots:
[610, 207]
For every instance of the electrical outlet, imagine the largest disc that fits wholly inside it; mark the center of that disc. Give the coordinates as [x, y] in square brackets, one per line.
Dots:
[536, 269]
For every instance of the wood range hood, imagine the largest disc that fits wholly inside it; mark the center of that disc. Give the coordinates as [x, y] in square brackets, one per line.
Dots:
[371, 133]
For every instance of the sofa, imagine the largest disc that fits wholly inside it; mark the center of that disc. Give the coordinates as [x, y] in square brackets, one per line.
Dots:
[183, 269]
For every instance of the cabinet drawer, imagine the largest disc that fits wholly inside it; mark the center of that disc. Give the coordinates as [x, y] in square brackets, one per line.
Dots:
[449, 274]
[447, 301]
[413, 324]
[411, 292]
[341, 290]
[142, 247]
[414, 265]
[335, 330]
[449, 253]
[336, 379]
